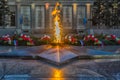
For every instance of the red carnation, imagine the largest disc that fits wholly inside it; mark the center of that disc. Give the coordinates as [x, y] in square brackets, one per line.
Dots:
[92, 38]
[45, 38]
[96, 40]
[73, 40]
[108, 37]
[86, 38]
[118, 41]
[90, 35]
[113, 37]
[27, 39]
[31, 41]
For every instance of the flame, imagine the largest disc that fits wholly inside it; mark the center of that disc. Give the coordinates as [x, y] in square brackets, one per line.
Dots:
[57, 23]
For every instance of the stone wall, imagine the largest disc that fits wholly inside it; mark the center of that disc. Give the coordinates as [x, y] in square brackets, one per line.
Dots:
[7, 31]
[107, 31]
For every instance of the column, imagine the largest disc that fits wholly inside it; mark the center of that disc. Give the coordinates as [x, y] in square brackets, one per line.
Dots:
[74, 16]
[46, 16]
[67, 17]
[18, 14]
[88, 6]
[32, 17]
[88, 9]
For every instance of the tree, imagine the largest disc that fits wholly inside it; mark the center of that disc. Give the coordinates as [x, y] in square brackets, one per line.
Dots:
[4, 13]
[106, 12]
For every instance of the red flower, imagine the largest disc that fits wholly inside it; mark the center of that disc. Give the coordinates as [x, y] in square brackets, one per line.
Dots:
[31, 41]
[90, 35]
[73, 40]
[118, 41]
[92, 38]
[113, 37]
[108, 37]
[86, 38]
[6, 38]
[26, 38]
[45, 38]
[96, 40]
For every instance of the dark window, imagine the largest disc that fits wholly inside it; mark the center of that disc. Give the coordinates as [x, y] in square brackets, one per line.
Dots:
[12, 19]
[13, 15]
[0, 19]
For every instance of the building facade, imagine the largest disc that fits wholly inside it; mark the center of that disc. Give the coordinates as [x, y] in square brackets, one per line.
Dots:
[35, 15]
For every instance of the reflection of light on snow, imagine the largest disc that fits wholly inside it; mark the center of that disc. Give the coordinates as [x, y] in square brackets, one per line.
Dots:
[58, 54]
[57, 74]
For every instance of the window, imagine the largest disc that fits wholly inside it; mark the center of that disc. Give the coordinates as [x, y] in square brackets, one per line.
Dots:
[12, 16]
[0, 19]
[25, 17]
[67, 16]
[81, 15]
[51, 24]
[39, 17]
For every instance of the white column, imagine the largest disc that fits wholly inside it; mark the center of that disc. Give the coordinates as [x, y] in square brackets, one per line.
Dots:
[18, 14]
[47, 8]
[74, 15]
[88, 6]
[32, 17]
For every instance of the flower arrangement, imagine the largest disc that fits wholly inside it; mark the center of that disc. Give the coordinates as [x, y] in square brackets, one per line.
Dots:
[25, 40]
[91, 40]
[118, 40]
[88, 40]
[6, 40]
[71, 39]
[110, 37]
[113, 38]
[45, 39]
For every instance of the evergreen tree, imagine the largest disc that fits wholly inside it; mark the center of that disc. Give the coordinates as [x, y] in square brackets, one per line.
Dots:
[106, 12]
[4, 13]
